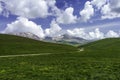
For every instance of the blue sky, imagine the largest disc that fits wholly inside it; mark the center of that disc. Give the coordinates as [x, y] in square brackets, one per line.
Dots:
[89, 17]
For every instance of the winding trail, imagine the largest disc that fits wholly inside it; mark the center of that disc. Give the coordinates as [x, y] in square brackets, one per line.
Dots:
[23, 55]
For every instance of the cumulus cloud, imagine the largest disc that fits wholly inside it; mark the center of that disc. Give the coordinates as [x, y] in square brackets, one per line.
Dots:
[29, 8]
[24, 25]
[112, 34]
[77, 32]
[97, 34]
[1, 8]
[87, 12]
[115, 5]
[111, 10]
[98, 3]
[53, 30]
[39, 9]
[67, 17]
[108, 13]
[54, 10]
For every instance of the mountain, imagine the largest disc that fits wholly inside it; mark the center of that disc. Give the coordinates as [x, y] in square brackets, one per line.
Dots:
[71, 40]
[27, 35]
[64, 39]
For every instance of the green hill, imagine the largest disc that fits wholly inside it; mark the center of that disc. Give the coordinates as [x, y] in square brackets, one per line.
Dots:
[103, 48]
[99, 60]
[10, 44]
[110, 43]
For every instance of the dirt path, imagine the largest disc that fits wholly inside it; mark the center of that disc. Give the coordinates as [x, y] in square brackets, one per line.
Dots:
[24, 55]
[81, 50]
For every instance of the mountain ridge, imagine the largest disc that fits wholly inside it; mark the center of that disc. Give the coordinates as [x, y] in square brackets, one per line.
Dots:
[64, 39]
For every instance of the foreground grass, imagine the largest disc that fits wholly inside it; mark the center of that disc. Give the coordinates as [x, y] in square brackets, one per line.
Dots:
[60, 67]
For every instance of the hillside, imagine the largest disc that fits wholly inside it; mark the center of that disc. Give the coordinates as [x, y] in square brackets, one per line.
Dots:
[99, 60]
[105, 48]
[10, 44]
[104, 44]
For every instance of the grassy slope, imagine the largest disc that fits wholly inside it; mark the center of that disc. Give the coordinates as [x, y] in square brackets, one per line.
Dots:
[97, 62]
[103, 48]
[19, 45]
[110, 43]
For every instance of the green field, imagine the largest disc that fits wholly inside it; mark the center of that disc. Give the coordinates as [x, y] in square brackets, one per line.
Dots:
[100, 60]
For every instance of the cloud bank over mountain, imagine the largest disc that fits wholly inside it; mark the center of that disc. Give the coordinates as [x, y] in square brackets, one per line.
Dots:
[24, 25]
[92, 35]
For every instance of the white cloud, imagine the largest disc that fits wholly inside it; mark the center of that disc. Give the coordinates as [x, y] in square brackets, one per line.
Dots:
[77, 32]
[54, 10]
[24, 25]
[51, 3]
[32, 8]
[67, 17]
[1, 8]
[111, 10]
[98, 3]
[112, 34]
[87, 12]
[115, 5]
[97, 34]
[29, 8]
[53, 30]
